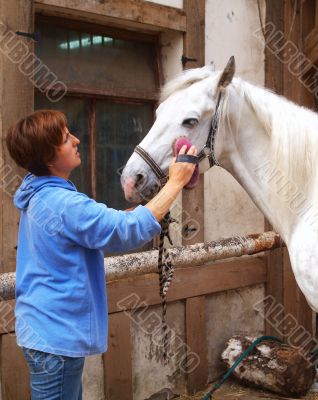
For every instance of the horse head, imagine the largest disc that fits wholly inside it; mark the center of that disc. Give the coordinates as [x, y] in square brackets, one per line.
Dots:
[187, 106]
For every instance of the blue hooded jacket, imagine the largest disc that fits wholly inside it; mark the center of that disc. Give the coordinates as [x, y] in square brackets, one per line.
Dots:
[61, 305]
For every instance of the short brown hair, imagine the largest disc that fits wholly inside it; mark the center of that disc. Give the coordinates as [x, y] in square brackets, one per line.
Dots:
[32, 141]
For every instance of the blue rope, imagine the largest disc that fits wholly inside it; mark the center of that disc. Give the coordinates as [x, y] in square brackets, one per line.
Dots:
[245, 353]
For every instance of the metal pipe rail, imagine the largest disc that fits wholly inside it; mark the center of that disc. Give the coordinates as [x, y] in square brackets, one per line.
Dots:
[130, 265]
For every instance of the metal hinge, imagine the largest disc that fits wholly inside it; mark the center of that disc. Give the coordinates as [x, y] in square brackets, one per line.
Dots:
[35, 35]
[185, 59]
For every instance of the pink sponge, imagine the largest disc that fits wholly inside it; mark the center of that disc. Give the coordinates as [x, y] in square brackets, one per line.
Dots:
[181, 141]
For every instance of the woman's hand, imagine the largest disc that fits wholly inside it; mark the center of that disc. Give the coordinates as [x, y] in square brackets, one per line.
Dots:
[180, 173]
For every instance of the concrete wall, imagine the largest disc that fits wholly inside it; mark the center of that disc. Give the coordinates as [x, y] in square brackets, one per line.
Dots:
[171, 3]
[150, 372]
[231, 313]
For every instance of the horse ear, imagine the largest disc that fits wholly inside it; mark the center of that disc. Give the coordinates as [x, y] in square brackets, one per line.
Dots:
[227, 74]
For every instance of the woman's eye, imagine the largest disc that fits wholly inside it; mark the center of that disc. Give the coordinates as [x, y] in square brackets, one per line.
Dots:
[190, 122]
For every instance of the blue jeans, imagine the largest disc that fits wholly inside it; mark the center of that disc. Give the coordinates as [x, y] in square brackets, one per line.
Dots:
[54, 377]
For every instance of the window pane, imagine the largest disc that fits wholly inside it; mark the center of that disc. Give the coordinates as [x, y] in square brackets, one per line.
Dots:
[119, 127]
[76, 111]
[95, 61]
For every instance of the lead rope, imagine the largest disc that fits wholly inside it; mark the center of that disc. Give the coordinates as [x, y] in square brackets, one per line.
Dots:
[165, 271]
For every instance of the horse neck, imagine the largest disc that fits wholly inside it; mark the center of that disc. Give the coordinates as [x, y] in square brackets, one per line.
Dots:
[246, 156]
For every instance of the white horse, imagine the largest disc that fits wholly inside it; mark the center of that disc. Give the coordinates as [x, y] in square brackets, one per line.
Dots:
[266, 142]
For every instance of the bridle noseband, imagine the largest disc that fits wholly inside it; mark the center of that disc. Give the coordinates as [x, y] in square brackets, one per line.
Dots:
[208, 150]
[163, 178]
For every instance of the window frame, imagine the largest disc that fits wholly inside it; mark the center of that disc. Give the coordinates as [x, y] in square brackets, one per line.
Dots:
[114, 95]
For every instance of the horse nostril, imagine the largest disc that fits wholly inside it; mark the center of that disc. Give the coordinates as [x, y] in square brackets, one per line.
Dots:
[140, 179]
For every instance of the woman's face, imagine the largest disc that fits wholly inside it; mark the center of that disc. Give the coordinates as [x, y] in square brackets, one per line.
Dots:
[67, 156]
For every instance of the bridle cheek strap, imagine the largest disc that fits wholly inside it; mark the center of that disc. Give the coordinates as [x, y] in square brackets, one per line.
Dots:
[208, 150]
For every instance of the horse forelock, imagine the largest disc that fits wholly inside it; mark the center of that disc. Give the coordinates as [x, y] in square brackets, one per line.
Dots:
[186, 79]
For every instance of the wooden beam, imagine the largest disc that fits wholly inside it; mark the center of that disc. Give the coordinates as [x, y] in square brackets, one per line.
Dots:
[188, 282]
[311, 46]
[117, 360]
[194, 39]
[309, 29]
[274, 80]
[194, 47]
[127, 13]
[274, 285]
[273, 67]
[197, 343]
[92, 147]
[7, 318]
[16, 99]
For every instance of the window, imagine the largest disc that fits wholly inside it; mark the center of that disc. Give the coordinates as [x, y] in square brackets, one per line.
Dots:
[112, 80]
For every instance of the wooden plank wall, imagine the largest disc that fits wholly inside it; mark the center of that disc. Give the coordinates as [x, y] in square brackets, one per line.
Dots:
[294, 301]
[118, 382]
[287, 18]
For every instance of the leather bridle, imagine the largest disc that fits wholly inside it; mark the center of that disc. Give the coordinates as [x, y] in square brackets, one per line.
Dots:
[208, 150]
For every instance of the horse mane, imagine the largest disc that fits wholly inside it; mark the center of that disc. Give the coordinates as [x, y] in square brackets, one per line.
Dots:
[293, 132]
[292, 129]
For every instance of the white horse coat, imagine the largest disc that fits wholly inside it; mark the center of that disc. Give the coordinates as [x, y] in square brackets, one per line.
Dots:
[266, 142]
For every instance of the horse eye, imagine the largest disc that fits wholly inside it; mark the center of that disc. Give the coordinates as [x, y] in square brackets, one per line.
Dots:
[190, 122]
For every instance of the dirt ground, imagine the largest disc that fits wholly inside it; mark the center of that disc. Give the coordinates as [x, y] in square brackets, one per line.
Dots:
[234, 391]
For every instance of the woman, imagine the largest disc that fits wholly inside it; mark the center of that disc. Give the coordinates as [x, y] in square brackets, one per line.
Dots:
[61, 302]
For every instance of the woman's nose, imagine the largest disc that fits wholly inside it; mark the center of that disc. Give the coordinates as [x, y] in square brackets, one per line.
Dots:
[76, 141]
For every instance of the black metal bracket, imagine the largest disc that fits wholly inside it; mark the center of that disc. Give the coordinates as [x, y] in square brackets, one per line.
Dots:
[185, 59]
[35, 35]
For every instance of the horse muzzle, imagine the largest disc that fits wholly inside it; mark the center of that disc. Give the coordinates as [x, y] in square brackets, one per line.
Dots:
[138, 187]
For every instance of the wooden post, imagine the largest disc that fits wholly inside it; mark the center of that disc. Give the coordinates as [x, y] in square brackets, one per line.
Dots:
[16, 93]
[193, 205]
[274, 81]
[194, 47]
[196, 340]
[117, 359]
[16, 98]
